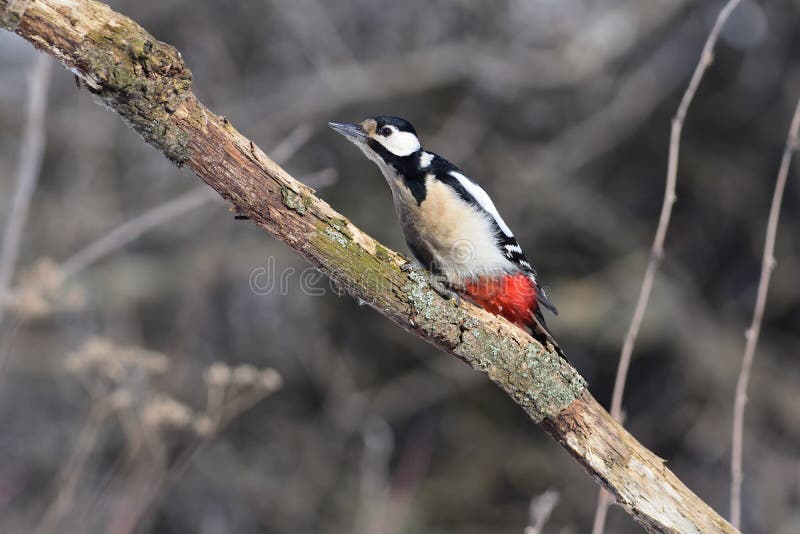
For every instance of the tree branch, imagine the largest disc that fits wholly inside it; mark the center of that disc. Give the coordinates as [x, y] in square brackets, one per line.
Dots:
[767, 266]
[148, 85]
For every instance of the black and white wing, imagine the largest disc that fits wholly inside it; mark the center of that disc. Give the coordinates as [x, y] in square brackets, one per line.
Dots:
[514, 253]
[475, 195]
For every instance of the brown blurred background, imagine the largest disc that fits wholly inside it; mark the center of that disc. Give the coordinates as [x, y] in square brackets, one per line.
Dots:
[136, 391]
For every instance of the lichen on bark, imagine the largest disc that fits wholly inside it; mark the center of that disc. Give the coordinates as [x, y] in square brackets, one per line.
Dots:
[539, 380]
[12, 13]
[143, 79]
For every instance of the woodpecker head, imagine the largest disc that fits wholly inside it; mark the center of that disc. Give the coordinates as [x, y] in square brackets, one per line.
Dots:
[383, 139]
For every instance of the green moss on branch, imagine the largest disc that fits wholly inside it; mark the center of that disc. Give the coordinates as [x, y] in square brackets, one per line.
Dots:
[11, 12]
[143, 79]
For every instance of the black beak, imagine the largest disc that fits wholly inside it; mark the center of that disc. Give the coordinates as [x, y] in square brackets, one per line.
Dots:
[351, 131]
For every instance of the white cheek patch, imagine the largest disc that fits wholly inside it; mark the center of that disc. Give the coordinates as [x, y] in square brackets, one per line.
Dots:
[399, 143]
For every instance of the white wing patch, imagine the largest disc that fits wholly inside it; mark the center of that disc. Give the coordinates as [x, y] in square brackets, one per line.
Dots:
[514, 248]
[482, 198]
[425, 159]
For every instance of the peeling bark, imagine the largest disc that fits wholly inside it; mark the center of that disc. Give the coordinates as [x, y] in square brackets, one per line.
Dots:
[148, 85]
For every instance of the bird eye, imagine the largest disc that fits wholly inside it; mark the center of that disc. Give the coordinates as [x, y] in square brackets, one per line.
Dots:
[386, 131]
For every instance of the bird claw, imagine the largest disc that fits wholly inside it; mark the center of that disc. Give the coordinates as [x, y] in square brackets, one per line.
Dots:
[437, 283]
[445, 291]
[408, 266]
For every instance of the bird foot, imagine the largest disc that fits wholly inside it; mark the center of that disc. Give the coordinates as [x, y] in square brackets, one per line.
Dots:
[444, 290]
[437, 282]
[408, 266]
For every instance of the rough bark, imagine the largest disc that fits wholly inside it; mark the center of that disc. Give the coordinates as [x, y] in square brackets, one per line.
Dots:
[148, 85]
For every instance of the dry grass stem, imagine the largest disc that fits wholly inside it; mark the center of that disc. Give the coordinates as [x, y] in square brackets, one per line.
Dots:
[120, 380]
[231, 391]
[70, 478]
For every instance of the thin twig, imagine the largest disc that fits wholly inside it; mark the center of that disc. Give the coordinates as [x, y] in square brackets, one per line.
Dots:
[767, 266]
[136, 227]
[293, 142]
[412, 465]
[69, 479]
[163, 213]
[373, 492]
[30, 164]
[320, 179]
[540, 510]
[657, 250]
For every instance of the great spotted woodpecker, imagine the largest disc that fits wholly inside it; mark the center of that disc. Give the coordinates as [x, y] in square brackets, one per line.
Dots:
[452, 226]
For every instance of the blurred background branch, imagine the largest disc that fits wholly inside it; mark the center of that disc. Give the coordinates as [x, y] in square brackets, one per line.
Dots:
[159, 215]
[29, 166]
[657, 250]
[753, 332]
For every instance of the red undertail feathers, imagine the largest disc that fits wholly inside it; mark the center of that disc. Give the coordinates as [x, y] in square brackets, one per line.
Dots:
[515, 297]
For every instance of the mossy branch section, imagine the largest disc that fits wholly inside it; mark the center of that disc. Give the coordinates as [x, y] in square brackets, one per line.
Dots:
[141, 78]
[12, 13]
[146, 82]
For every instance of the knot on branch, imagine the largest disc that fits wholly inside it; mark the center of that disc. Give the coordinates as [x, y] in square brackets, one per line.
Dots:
[143, 79]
